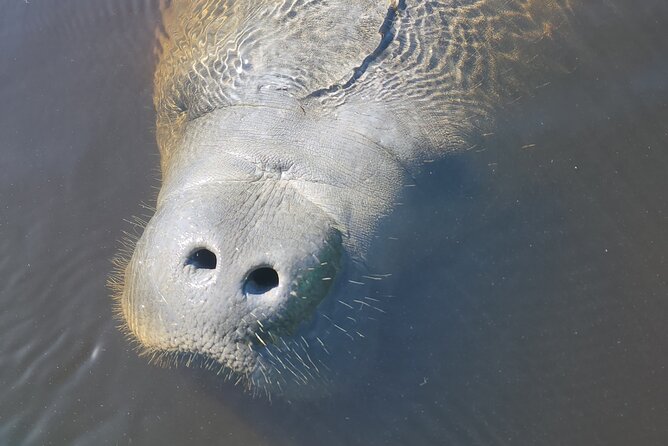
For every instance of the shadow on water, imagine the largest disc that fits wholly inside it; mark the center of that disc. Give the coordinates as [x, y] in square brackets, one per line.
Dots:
[528, 295]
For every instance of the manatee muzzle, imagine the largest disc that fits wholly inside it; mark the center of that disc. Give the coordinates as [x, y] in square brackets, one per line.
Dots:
[226, 269]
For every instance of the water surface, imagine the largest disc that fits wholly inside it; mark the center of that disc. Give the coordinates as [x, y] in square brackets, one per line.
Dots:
[528, 296]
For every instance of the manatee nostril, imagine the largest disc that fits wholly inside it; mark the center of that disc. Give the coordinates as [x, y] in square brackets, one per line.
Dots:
[261, 280]
[202, 258]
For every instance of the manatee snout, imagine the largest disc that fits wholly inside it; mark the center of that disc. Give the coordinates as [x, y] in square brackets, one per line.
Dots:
[262, 213]
[227, 268]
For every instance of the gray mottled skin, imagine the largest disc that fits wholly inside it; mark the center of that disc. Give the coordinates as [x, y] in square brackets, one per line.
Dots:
[286, 129]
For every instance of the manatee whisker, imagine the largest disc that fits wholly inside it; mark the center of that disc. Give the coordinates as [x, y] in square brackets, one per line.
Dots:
[340, 328]
[294, 370]
[311, 361]
[300, 359]
[278, 358]
[148, 207]
[274, 337]
[362, 303]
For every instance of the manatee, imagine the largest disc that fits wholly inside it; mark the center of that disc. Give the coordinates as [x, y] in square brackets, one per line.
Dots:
[286, 131]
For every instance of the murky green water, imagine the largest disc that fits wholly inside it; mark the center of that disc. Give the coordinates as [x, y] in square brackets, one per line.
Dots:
[528, 292]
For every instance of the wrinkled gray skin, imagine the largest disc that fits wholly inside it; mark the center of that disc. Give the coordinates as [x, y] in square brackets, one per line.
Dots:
[286, 130]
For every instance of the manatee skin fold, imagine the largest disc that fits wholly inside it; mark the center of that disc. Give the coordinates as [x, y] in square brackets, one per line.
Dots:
[286, 130]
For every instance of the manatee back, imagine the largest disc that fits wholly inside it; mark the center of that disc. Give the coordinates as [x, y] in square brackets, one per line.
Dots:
[220, 53]
[448, 64]
[436, 68]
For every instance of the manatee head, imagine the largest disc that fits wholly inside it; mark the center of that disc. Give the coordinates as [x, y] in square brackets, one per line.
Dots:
[225, 269]
[261, 211]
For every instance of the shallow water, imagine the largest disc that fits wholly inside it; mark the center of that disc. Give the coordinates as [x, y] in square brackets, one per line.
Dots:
[528, 295]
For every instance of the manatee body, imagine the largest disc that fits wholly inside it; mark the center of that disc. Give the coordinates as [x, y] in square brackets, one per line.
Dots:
[286, 130]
